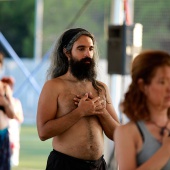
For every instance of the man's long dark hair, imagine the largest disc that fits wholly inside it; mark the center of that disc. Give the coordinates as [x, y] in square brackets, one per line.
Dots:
[59, 61]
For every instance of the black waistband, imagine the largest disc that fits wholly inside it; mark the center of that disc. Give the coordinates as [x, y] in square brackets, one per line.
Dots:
[91, 162]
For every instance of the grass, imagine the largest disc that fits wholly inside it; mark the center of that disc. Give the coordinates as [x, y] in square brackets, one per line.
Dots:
[33, 152]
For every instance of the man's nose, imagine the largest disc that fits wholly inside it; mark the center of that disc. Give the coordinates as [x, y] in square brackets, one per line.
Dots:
[88, 54]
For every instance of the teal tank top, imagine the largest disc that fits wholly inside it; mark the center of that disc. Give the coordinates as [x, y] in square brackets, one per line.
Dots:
[150, 146]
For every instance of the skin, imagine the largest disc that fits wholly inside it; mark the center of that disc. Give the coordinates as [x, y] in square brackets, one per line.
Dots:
[128, 141]
[8, 82]
[5, 101]
[17, 107]
[75, 124]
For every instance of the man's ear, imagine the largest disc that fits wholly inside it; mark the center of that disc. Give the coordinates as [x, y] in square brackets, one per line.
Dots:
[141, 85]
[67, 53]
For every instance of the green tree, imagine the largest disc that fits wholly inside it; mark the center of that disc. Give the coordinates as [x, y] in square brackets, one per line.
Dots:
[58, 15]
[154, 16]
[17, 25]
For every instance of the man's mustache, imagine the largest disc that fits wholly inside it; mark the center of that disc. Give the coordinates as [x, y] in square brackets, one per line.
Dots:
[86, 59]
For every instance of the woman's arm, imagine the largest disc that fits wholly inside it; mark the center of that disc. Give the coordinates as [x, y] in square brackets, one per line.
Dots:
[126, 150]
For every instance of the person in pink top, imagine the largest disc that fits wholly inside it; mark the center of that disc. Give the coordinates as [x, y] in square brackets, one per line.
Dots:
[14, 124]
[6, 113]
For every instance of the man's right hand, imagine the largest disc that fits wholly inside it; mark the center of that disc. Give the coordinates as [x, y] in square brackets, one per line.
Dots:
[89, 106]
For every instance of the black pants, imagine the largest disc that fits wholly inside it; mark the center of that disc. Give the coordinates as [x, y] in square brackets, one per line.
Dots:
[60, 161]
[4, 150]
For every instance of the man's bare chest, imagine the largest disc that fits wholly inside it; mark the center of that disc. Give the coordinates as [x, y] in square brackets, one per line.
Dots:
[65, 101]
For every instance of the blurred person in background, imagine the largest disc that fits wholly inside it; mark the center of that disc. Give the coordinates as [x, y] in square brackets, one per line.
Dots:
[144, 142]
[1, 64]
[6, 113]
[14, 124]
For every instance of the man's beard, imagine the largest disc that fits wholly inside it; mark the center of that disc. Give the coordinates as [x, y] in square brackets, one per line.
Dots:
[83, 69]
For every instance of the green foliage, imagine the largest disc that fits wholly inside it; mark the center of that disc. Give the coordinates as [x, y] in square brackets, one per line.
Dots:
[58, 15]
[17, 25]
[17, 20]
[155, 18]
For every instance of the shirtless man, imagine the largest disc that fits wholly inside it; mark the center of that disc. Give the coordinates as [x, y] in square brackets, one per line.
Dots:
[74, 108]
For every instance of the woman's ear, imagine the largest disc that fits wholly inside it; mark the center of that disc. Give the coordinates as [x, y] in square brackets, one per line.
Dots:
[67, 53]
[141, 85]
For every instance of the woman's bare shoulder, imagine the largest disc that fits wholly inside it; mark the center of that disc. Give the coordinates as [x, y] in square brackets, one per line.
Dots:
[127, 128]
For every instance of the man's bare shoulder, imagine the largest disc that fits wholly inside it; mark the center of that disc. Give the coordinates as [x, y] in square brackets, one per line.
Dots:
[56, 82]
[51, 90]
[105, 89]
[103, 84]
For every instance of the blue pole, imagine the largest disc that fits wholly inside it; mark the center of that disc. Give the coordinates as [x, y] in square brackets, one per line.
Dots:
[16, 58]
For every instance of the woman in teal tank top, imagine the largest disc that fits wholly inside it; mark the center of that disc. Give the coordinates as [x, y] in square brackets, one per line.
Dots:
[143, 143]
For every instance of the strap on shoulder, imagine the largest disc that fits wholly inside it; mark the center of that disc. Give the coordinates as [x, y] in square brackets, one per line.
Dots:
[140, 131]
